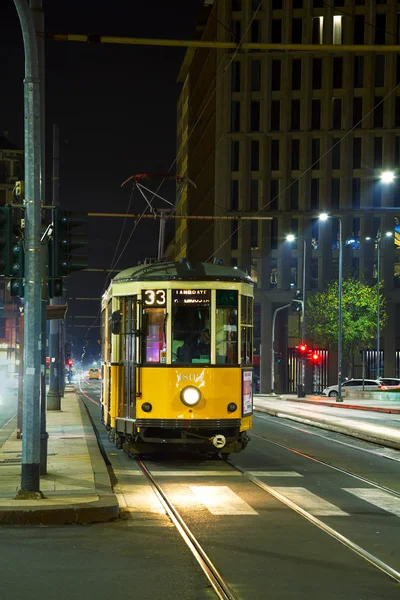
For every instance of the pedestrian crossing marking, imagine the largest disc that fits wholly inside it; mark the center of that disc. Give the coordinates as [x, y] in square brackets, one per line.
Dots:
[378, 498]
[275, 474]
[311, 502]
[221, 500]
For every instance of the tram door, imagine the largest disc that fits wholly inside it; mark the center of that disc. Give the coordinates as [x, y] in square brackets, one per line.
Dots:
[130, 357]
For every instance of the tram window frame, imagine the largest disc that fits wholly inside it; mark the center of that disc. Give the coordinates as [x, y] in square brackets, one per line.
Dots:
[226, 326]
[246, 330]
[161, 341]
[110, 334]
[193, 337]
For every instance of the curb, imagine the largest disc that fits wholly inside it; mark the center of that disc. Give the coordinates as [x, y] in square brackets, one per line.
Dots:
[329, 426]
[382, 409]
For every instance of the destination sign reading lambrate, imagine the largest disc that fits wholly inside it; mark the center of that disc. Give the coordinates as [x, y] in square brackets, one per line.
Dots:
[199, 297]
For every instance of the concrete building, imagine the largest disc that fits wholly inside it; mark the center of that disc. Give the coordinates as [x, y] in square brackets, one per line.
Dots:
[293, 134]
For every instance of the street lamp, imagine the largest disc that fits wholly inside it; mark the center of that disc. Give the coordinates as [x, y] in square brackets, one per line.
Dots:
[291, 238]
[378, 308]
[387, 177]
[325, 217]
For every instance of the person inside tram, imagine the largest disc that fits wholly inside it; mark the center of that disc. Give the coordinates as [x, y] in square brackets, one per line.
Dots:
[203, 344]
[184, 353]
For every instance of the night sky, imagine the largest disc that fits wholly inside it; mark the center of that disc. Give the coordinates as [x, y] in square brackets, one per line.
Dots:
[116, 110]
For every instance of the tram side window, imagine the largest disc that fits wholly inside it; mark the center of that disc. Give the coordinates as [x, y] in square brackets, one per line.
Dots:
[109, 336]
[246, 331]
[227, 327]
[154, 346]
[191, 342]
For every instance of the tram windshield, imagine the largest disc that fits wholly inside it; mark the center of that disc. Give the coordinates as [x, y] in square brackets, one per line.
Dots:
[191, 341]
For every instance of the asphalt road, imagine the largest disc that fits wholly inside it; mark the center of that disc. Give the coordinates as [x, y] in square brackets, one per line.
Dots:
[261, 546]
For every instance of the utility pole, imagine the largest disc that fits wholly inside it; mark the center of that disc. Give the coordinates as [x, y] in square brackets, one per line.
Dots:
[30, 473]
[273, 346]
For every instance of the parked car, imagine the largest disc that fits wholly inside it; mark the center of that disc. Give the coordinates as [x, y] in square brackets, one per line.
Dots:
[352, 384]
[389, 383]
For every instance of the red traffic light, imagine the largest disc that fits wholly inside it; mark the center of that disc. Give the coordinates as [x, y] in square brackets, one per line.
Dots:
[315, 357]
[301, 349]
[69, 363]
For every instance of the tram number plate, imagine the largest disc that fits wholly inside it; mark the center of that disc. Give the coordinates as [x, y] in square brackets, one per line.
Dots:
[157, 298]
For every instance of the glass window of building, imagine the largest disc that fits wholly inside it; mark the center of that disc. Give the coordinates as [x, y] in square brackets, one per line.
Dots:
[318, 3]
[297, 3]
[235, 155]
[236, 30]
[276, 31]
[335, 193]
[295, 155]
[314, 194]
[256, 5]
[234, 235]
[314, 273]
[235, 116]
[336, 142]
[358, 71]
[293, 273]
[235, 76]
[276, 4]
[357, 145]
[315, 233]
[315, 152]
[337, 72]
[378, 111]
[357, 111]
[274, 234]
[255, 75]
[254, 235]
[398, 69]
[316, 114]
[236, 5]
[360, 2]
[297, 31]
[317, 73]
[296, 74]
[254, 186]
[273, 278]
[338, 2]
[275, 115]
[274, 195]
[255, 115]
[276, 76]
[380, 29]
[255, 155]
[378, 152]
[397, 151]
[191, 326]
[337, 32]
[275, 155]
[356, 192]
[294, 195]
[397, 112]
[295, 115]
[336, 113]
[377, 194]
[255, 31]
[379, 70]
[358, 21]
[317, 30]
[234, 195]
[226, 327]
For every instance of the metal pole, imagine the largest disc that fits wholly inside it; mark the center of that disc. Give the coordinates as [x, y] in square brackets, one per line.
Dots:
[273, 346]
[303, 323]
[30, 474]
[161, 237]
[339, 396]
[378, 316]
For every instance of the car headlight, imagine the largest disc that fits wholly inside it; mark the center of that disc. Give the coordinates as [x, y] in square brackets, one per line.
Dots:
[190, 395]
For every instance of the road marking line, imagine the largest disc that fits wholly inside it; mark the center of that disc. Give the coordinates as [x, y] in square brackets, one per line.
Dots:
[311, 502]
[221, 500]
[378, 498]
[275, 474]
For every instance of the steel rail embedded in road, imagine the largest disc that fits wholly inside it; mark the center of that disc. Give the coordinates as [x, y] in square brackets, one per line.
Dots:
[373, 560]
[220, 586]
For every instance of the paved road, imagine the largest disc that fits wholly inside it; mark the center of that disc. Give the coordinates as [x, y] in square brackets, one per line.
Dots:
[262, 547]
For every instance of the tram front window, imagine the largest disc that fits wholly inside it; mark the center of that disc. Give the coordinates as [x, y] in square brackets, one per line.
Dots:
[191, 342]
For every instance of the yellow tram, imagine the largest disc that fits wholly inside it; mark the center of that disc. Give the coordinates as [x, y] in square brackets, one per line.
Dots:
[177, 342]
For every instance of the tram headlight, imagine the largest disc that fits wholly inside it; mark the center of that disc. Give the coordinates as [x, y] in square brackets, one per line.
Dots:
[190, 395]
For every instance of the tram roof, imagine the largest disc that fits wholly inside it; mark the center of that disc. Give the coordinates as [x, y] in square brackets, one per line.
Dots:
[183, 270]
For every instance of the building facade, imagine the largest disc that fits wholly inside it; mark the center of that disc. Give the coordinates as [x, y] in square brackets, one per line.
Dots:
[291, 134]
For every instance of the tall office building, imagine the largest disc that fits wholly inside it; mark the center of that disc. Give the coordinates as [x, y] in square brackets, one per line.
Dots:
[293, 133]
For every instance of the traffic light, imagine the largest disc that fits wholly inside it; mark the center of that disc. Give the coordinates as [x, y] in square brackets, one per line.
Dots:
[17, 269]
[67, 352]
[315, 357]
[301, 350]
[278, 356]
[69, 363]
[19, 190]
[63, 242]
[297, 302]
[6, 240]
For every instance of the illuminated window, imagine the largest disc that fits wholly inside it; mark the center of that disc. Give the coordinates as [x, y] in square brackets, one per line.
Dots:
[337, 36]
[318, 30]
[226, 327]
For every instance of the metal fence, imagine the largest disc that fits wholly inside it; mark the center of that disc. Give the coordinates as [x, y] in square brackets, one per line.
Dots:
[319, 372]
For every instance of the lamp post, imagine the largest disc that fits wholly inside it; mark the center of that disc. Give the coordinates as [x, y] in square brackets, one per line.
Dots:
[273, 347]
[325, 217]
[292, 238]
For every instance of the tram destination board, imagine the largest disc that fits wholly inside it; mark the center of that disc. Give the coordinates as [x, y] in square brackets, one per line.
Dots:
[193, 297]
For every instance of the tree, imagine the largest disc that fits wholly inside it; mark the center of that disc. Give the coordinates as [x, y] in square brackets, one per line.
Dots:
[359, 317]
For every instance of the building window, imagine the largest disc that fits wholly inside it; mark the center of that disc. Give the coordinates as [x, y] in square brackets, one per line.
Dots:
[296, 74]
[235, 156]
[336, 153]
[254, 194]
[275, 115]
[255, 31]
[358, 71]
[295, 114]
[337, 33]
[297, 28]
[255, 155]
[236, 30]
[356, 192]
[234, 195]
[377, 194]
[235, 76]
[274, 155]
[357, 153]
[357, 111]
[335, 191]
[234, 235]
[276, 31]
[380, 29]
[294, 195]
[337, 72]
[314, 194]
[316, 114]
[295, 165]
[235, 115]
[297, 4]
[236, 5]
[379, 70]
[318, 3]
[358, 21]
[254, 235]
[378, 146]
[314, 273]
[317, 30]
[378, 111]
[336, 113]
[397, 112]
[276, 76]
[255, 115]
[255, 75]
[276, 4]
[274, 234]
[317, 73]
[274, 194]
[397, 152]
[315, 152]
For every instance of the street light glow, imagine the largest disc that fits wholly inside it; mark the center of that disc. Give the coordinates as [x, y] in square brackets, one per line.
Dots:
[323, 217]
[290, 237]
[389, 233]
[387, 177]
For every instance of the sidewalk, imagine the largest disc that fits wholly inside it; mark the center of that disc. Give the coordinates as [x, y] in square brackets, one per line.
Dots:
[77, 486]
[327, 416]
